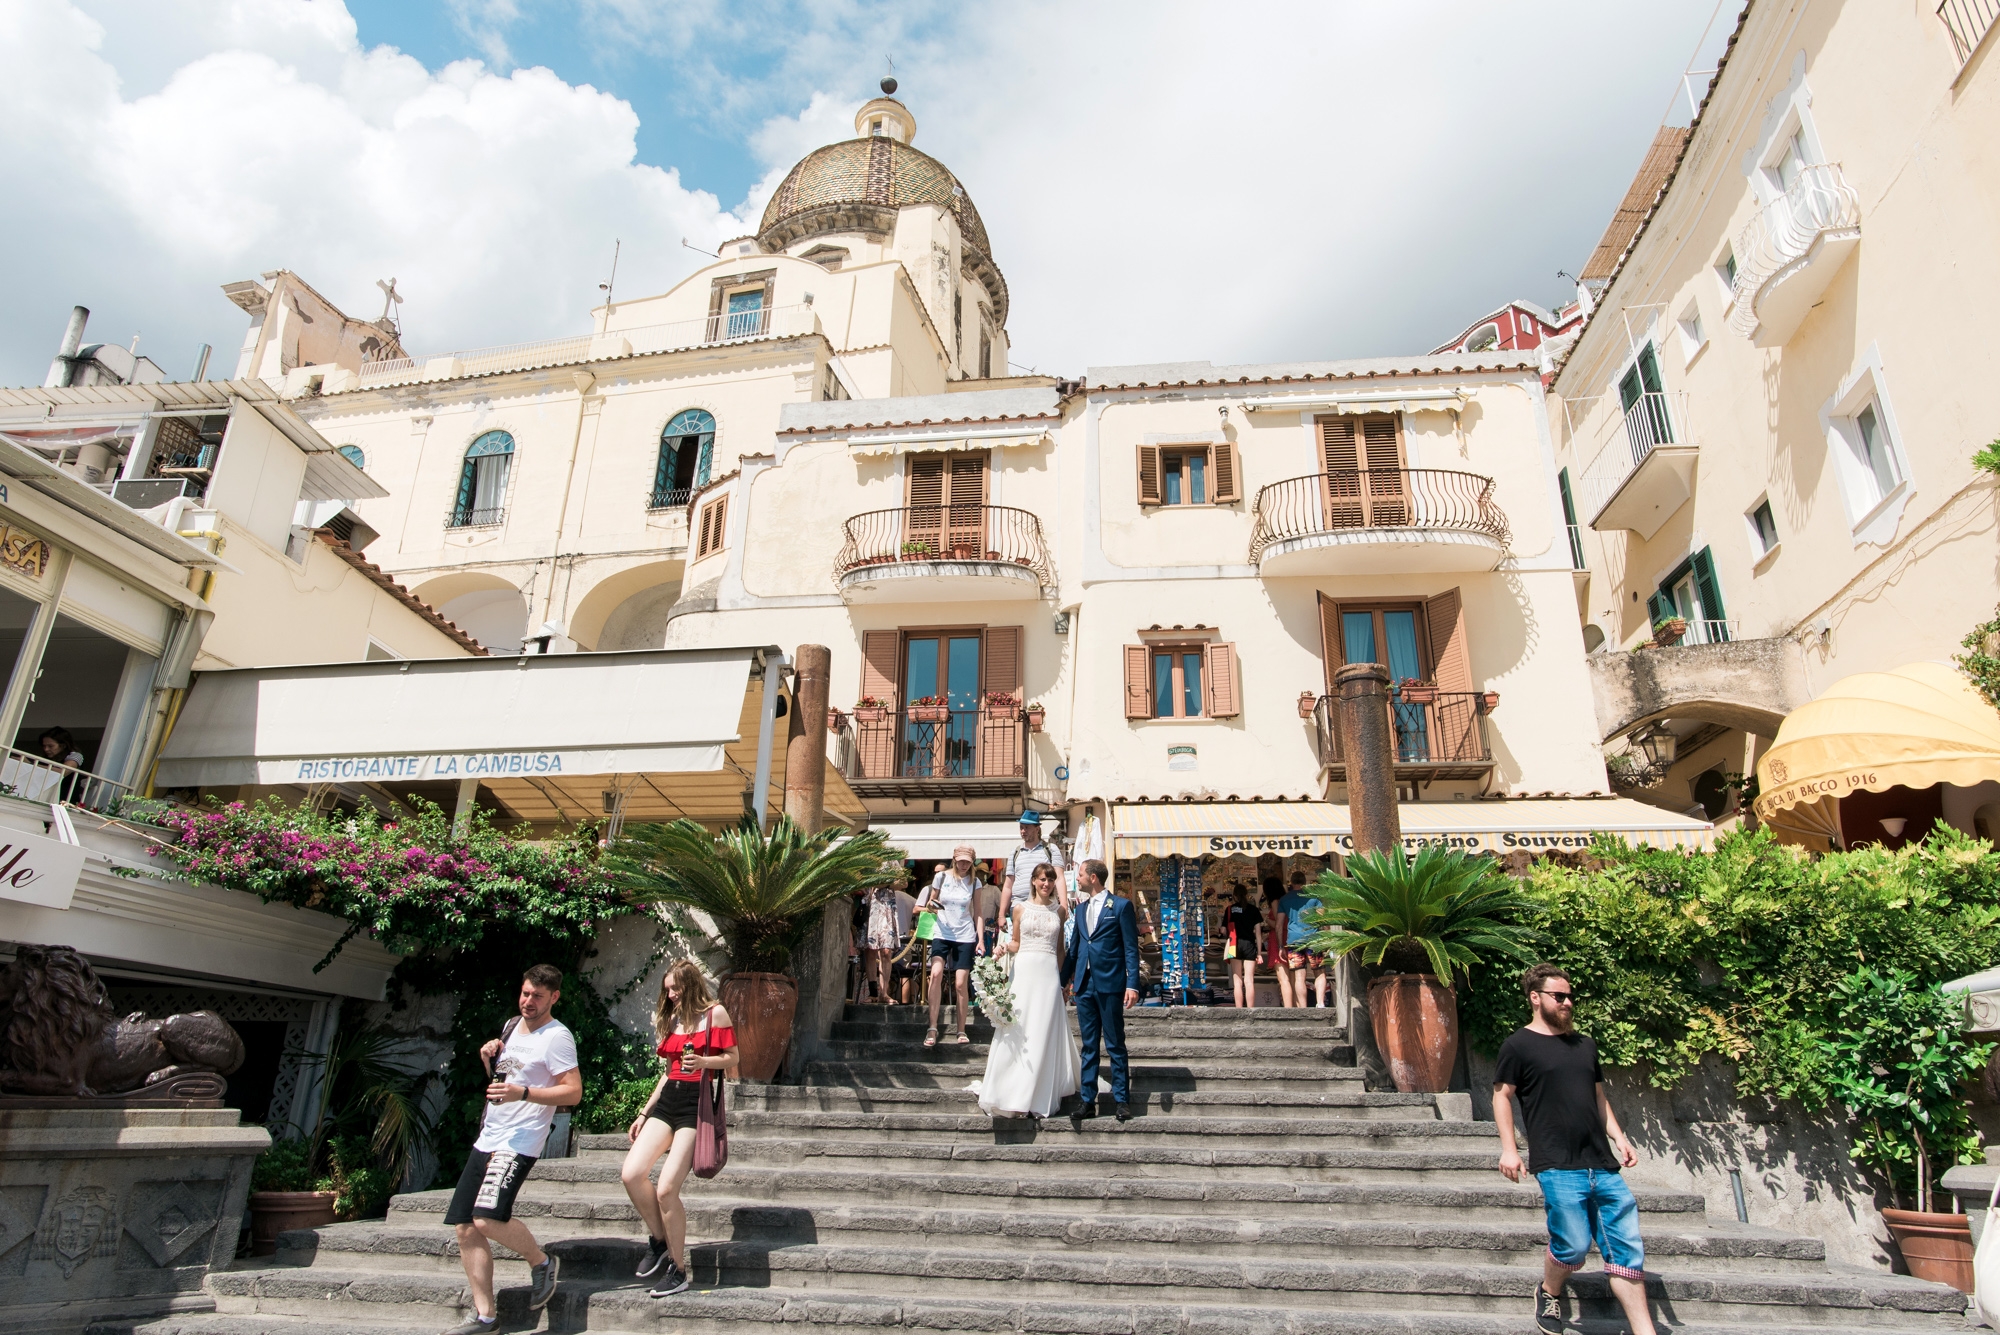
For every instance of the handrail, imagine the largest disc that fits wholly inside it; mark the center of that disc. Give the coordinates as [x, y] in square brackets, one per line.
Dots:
[1365, 498]
[1629, 436]
[1784, 229]
[968, 743]
[989, 534]
[1448, 728]
[1967, 21]
[36, 778]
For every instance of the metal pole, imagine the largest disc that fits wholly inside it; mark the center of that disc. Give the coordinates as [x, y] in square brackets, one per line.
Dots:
[772, 672]
[1368, 746]
[805, 746]
[62, 370]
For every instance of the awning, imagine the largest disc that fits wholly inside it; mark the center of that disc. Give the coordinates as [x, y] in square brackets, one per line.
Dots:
[882, 446]
[937, 839]
[1391, 401]
[554, 737]
[1919, 725]
[1536, 825]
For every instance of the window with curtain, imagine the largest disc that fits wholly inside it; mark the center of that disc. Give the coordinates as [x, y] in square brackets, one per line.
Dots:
[687, 449]
[482, 482]
[1391, 635]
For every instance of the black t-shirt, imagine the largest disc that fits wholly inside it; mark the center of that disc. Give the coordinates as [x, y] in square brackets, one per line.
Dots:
[1556, 1076]
[1243, 920]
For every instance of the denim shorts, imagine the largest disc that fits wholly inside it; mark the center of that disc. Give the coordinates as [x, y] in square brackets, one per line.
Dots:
[1587, 1205]
[957, 955]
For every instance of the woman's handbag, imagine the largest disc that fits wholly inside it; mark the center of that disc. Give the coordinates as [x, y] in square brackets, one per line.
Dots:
[1986, 1266]
[711, 1129]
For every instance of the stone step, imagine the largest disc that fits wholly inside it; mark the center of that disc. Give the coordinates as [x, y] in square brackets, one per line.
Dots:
[908, 1023]
[1345, 1099]
[872, 1012]
[1420, 1132]
[915, 1072]
[1290, 1054]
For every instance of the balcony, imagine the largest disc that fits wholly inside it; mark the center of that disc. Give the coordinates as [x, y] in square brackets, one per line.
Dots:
[1378, 521]
[1789, 253]
[1968, 22]
[944, 553]
[1644, 469]
[915, 753]
[1441, 737]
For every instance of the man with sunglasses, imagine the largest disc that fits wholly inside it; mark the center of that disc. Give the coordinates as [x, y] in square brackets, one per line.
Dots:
[1575, 1148]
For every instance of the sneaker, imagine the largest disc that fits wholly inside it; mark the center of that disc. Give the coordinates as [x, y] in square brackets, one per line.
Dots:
[542, 1280]
[1548, 1312]
[655, 1257]
[472, 1325]
[673, 1281]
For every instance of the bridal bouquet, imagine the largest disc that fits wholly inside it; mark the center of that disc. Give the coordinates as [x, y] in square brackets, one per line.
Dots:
[994, 989]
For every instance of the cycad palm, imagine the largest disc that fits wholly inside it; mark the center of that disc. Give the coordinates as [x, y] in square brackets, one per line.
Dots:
[1443, 909]
[764, 891]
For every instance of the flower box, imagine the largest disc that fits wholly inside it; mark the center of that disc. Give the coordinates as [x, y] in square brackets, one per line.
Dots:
[1668, 633]
[1418, 693]
[836, 721]
[1003, 708]
[930, 713]
[872, 711]
[964, 551]
[1035, 714]
[1489, 701]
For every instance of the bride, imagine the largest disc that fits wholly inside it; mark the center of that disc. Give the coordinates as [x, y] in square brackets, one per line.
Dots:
[1034, 1063]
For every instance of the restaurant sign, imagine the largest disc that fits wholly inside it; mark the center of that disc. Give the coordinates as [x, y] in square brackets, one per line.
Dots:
[1810, 790]
[1496, 842]
[460, 765]
[38, 871]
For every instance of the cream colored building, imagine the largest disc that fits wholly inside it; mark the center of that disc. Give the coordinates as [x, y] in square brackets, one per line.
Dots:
[1767, 426]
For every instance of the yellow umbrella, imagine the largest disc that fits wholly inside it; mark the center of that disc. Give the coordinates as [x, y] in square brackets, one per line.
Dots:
[1918, 725]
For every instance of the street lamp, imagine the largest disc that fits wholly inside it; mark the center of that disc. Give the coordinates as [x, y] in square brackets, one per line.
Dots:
[1658, 745]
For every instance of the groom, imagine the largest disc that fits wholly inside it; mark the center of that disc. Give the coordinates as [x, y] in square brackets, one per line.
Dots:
[1102, 973]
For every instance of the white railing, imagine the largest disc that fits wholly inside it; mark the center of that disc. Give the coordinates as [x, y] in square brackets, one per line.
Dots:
[1784, 230]
[702, 331]
[1625, 436]
[1967, 21]
[34, 778]
[1711, 631]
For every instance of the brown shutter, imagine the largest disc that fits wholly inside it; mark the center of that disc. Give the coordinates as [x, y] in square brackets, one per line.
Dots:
[1340, 460]
[1001, 753]
[1332, 643]
[1138, 681]
[924, 519]
[966, 502]
[875, 743]
[1387, 492]
[1224, 692]
[710, 529]
[1222, 473]
[1149, 475]
[1451, 661]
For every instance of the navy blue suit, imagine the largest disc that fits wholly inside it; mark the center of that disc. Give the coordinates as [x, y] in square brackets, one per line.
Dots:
[1103, 966]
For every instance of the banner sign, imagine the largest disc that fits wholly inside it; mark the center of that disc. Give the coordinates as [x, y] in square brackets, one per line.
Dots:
[38, 871]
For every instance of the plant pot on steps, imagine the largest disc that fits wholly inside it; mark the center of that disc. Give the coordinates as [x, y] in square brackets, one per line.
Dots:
[1937, 1247]
[275, 1212]
[760, 1006]
[1415, 1021]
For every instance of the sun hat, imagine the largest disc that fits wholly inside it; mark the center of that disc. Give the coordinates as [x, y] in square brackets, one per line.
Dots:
[1031, 818]
[964, 851]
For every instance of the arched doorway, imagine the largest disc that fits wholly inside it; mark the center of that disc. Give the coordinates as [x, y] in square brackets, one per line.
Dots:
[628, 610]
[486, 607]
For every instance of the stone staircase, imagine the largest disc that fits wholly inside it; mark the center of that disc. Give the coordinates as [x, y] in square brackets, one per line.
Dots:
[1259, 1191]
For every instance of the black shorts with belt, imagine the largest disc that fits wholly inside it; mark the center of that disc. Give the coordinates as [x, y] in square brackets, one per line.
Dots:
[677, 1104]
[487, 1187]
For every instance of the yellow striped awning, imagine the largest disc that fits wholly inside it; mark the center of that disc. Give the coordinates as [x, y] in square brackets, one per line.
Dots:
[1534, 825]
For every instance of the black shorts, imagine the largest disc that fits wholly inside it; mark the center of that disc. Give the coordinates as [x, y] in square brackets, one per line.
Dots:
[487, 1187]
[677, 1104]
[955, 954]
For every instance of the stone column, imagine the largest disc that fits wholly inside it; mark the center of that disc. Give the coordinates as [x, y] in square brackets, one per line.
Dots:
[805, 745]
[820, 964]
[1368, 747]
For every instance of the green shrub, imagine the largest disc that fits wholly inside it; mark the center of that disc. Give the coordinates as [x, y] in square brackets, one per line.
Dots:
[615, 1112]
[286, 1166]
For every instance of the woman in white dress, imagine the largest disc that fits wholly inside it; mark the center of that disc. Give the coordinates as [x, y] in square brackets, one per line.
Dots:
[1034, 1062]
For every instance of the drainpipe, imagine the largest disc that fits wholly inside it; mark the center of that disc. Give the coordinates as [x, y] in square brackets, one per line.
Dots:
[63, 369]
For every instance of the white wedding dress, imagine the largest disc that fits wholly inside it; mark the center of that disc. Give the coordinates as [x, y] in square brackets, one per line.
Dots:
[1034, 1062]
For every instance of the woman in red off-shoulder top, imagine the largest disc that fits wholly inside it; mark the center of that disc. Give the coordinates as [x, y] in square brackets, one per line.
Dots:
[696, 1037]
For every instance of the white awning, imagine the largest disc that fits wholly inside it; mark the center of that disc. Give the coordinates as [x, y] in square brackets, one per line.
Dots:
[1391, 401]
[937, 839]
[1534, 825]
[881, 446]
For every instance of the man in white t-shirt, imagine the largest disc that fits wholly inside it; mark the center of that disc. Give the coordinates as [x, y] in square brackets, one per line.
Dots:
[534, 1070]
[1017, 887]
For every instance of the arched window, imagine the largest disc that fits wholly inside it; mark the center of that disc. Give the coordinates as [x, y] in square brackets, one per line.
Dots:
[353, 455]
[482, 483]
[687, 451]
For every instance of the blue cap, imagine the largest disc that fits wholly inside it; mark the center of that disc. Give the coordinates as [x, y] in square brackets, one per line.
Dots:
[1031, 818]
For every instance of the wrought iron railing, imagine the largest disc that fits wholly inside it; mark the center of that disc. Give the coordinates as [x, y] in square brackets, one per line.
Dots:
[36, 778]
[1784, 230]
[1430, 728]
[1710, 630]
[1967, 21]
[474, 517]
[669, 498]
[1629, 433]
[990, 534]
[1365, 498]
[939, 743]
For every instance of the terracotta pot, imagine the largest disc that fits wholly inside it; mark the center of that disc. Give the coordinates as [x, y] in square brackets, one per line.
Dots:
[1003, 712]
[1308, 702]
[1669, 633]
[1937, 1247]
[761, 1007]
[929, 713]
[1489, 700]
[1415, 1019]
[1418, 695]
[835, 720]
[1035, 717]
[275, 1212]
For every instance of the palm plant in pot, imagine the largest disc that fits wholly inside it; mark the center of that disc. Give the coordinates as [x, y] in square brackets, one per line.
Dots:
[765, 894]
[1416, 924]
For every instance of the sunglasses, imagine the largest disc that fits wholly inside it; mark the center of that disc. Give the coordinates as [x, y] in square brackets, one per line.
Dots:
[1561, 998]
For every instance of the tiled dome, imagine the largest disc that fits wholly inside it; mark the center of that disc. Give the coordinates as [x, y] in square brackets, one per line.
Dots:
[878, 171]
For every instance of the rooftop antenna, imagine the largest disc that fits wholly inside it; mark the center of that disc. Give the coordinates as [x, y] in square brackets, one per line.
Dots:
[889, 79]
[712, 254]
[616, 246]
[390, 298]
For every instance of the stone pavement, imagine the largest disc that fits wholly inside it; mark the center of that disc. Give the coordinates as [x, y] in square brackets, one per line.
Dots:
[1259, 1191]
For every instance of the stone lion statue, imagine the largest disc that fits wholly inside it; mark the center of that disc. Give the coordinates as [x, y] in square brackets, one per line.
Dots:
[60, 1037]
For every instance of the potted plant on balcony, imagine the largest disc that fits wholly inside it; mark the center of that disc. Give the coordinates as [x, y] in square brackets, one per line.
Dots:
[963, 551]
[916, 551]
[1416, 923]
[1308, 702]
[930, 709]
[992, 555]
[1489, 701]
[836, 721]
[1002, 707]
[765, 893]
[870, 710]
[1415, 692]
[1035, 713]
[1668, 631]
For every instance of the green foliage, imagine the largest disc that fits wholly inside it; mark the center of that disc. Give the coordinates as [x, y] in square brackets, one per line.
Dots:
[764, 891]
[347, 1166]
[1741, 953]
[285, 1166]
[1440, 913]
[1987, 457]
[617, 1109]
[1981, 659]
[1897, 1059]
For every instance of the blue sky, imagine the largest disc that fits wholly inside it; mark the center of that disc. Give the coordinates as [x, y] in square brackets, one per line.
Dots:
[1167, 180]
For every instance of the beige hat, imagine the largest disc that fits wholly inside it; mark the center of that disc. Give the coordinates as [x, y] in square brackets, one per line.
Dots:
[964, 851]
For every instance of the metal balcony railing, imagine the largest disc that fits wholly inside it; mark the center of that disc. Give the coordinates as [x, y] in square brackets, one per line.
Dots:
[36, 778]
[1967, 21]
[940, 743]
[1709, 630]
[471, 517]
[1367, 498]
[1627, 434]
[669, 498]
[1784, 230]
[1447, 730]
[996, 534]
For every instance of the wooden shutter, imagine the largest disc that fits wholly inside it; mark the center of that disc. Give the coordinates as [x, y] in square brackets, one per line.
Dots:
[1340, 461]
[1332, 643]
[875, 743]
[1451, 661]
[1222, 473]
[1707, 586]
[711, 528]
[1138, 681]
[1001, 753]
[1661, 607]
[1387, 499]
[923, 521]
[1149, 475]
[1224, 693]
[965, 501]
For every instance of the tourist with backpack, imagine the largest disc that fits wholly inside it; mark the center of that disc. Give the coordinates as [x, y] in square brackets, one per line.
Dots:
[533, 1072]
[697, 1041]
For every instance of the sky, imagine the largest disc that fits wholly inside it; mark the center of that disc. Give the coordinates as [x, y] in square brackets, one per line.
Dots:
[1162, 181]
